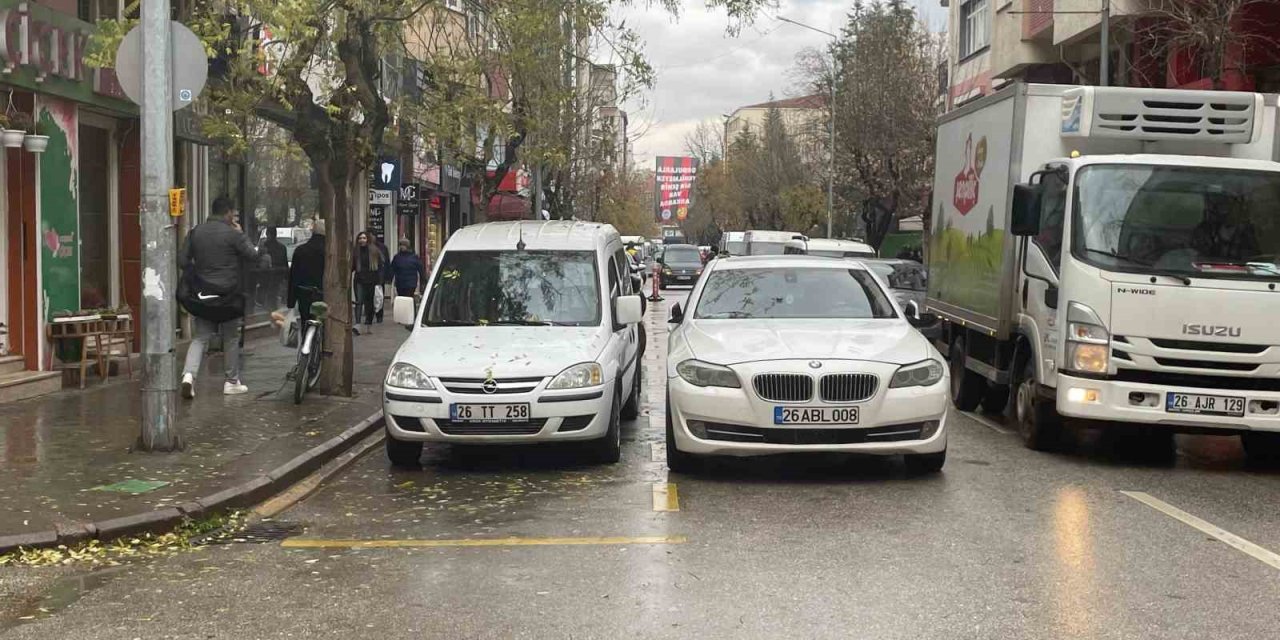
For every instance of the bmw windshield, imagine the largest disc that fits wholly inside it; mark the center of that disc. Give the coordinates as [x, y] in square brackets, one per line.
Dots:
[515, 288]
[1180, 221]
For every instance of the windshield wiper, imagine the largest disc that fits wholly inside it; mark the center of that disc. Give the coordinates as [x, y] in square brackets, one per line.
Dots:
[527, 323]
[448, 323]
[1146, 267]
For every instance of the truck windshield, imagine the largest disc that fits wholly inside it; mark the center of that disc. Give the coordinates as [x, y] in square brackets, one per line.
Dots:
[1188, 221]
[515, 288]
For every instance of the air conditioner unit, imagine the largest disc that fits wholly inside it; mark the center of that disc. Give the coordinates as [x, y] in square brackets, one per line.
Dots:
[1225, 117]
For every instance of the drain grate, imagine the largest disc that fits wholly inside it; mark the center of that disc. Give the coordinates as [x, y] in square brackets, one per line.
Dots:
[256, 533]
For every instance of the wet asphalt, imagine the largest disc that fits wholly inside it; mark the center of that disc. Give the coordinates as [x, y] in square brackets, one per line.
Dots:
[1004, 543]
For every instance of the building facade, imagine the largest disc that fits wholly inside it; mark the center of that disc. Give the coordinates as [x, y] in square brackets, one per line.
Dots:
[993, 42]
[804, 118]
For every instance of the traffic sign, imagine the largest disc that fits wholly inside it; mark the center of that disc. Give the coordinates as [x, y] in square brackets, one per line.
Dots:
[190, 65]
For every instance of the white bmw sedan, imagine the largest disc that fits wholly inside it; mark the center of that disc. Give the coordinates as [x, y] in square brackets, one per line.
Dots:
[801, 354]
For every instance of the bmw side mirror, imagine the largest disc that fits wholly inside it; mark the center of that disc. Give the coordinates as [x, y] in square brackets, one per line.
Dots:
[677, 314]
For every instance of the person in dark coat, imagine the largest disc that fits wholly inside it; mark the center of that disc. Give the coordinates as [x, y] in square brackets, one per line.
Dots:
[368, 267]
[274, 270]
[408, 272]
[386, 272]
[211, 259]
[306, 274]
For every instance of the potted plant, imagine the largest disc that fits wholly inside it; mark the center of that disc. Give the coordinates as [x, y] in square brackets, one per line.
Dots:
[15, 128]
[36, 141]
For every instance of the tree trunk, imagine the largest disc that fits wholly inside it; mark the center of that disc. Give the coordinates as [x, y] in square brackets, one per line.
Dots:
[335, 195]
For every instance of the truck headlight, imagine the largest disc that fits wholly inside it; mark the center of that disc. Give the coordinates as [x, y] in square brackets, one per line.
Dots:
[403, 375]
[705, 374]
[1088, 341]
[1089, 358]
[920, 374]
[586, 374]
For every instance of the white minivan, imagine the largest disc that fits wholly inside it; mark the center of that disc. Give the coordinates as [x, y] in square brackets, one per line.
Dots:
[529, 332]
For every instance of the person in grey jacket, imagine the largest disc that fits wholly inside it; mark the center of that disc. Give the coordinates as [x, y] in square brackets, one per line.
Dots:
[211, 260]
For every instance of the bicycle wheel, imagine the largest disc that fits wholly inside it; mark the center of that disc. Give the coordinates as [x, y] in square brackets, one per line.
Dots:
[317, 359]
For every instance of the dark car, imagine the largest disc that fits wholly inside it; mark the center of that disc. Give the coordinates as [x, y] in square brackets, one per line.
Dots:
[909, 281]
[681, 264]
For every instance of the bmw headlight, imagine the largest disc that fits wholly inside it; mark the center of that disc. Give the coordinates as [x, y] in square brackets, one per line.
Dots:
[920, 374]
[705, 374]
[586, 374]
[406, 376]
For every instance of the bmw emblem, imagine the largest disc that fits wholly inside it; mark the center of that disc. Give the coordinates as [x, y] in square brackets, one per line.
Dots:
[489, 386]
[814, 364]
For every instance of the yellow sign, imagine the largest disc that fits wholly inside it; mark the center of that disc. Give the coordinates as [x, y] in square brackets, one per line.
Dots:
[177, 202]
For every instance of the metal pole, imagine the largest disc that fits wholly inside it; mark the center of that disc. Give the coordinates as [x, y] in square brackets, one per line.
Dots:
[1104, 63]
[160, 431]
[831, 142]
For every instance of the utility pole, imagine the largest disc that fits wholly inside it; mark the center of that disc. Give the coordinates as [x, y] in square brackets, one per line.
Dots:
[1104, 61]
[160, 431]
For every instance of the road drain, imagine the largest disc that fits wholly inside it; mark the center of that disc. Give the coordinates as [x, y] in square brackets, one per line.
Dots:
[256, 533]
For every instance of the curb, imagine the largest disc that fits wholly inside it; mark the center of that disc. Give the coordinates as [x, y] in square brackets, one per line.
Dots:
[245, 494]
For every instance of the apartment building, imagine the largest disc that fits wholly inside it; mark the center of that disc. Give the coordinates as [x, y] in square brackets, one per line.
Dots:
[804, 118]
[992, 42]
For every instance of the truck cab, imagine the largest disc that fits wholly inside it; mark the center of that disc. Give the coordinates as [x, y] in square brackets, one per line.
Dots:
[1135, 288]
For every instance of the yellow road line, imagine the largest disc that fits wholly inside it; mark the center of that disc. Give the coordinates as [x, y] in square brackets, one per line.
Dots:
[1231, 539]
[665, 497]
[317, 543]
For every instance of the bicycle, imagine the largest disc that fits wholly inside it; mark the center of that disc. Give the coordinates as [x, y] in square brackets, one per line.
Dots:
[306, 373]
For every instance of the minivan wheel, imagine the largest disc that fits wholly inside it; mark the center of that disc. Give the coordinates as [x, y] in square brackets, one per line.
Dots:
[609, 448]
[631, 410]
[403, 453]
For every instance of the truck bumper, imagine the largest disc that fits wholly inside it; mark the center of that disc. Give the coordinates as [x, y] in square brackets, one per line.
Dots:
[1112, 400]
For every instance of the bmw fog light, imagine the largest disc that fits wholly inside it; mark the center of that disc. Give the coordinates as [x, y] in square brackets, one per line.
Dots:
[929, 428]
[697, 428]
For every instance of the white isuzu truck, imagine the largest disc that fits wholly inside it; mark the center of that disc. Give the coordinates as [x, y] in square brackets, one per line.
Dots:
[1109, 255]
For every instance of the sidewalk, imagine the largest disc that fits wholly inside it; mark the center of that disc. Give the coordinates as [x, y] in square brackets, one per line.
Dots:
[57, 450]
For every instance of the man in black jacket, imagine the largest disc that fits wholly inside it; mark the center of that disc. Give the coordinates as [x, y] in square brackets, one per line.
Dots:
[306, 274]
[211, 260]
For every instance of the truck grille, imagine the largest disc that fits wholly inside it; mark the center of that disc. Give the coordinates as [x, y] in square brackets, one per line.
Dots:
[848, 387]
[784, 387]
[1206, 364]
[1220, 347]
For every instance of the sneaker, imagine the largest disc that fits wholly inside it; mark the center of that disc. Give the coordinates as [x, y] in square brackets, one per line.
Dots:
[355, 329]
[234, 388]
[188, 386]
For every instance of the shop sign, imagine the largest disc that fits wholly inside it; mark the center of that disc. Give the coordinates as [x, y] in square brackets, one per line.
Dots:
[43, 50]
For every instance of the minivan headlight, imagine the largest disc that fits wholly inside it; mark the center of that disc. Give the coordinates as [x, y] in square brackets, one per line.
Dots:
[705, 374]
[403, 375]
[586, 374]
[918, 374]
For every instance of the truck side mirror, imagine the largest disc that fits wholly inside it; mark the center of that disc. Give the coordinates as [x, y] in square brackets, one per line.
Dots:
[1026, 210]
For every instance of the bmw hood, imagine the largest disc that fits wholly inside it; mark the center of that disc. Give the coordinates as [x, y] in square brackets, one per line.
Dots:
[471, 352]
[737, 341]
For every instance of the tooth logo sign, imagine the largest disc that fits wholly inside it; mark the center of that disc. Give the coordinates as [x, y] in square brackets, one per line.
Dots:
[388, 171]
[965, 197]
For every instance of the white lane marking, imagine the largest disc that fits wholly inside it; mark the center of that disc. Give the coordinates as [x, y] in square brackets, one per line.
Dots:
[987, 422]
[658, 451]
[1233, 540]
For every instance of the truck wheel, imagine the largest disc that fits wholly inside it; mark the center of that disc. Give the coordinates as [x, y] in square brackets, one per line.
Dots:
[995, 399]
[1037, 419]
[967, 387]
[1262, 448]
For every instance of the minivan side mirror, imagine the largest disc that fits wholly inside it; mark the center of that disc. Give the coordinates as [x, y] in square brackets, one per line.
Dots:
[402, 311]
[1026, 210]
[677, 314]
[628, 310]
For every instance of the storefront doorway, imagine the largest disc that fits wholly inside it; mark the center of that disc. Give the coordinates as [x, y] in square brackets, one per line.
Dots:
[98, 271]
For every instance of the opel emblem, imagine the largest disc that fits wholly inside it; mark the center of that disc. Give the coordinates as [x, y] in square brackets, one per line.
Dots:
[814, 364]
[489, 386]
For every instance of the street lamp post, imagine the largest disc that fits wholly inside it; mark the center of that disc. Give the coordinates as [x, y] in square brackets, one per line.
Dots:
[831, 123]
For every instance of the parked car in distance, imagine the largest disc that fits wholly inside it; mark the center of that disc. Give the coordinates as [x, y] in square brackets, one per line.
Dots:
[681, 265]
[769, 243]
[908, 280]
[528, 333]
[832, 248]
[801, 354]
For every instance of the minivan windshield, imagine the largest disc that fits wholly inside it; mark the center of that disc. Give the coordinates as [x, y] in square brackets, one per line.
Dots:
[682, 256]
[803, 292]
[513, 287]
[908, 276]
[1190, 221]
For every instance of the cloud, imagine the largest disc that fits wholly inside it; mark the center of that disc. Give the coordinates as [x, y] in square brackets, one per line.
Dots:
[702, 72]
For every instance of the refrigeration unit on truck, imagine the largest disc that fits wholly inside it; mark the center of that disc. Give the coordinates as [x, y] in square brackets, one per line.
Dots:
[1110, 255]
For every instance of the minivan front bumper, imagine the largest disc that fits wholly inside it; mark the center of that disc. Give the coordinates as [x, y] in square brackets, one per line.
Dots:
[560, 416]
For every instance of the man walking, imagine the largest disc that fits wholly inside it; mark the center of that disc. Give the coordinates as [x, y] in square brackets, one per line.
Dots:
[276, 265]
[306, 274]
[211, 291]
[407, 271]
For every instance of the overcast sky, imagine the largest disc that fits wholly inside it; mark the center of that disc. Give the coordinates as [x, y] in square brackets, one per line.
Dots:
[703, 73]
